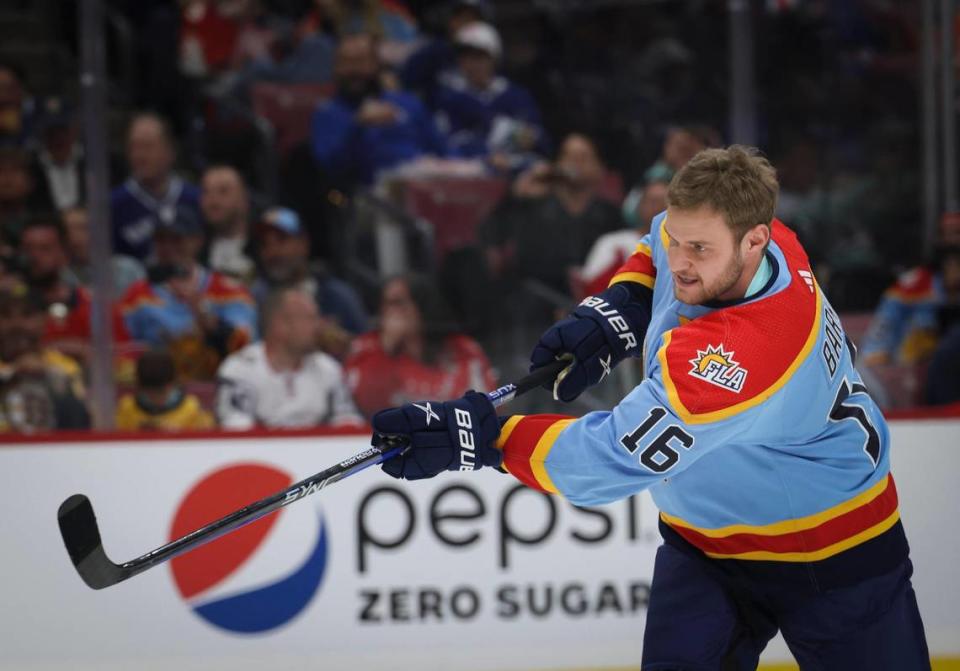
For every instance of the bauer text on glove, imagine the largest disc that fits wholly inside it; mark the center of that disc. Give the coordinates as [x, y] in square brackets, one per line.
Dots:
[443, 436]
[601, 332]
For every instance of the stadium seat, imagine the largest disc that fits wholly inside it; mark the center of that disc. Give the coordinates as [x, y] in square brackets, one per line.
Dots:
[455, 207]
[289, 109]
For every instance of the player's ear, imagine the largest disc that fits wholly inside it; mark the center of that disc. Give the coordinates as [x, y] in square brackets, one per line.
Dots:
[757, 238]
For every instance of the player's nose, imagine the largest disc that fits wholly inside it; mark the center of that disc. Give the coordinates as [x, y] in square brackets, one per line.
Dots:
[678, 262]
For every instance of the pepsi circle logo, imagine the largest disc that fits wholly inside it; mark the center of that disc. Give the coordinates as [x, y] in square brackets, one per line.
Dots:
[249, 580]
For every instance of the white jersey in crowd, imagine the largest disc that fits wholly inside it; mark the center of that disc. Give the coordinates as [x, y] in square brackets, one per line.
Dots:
[251, 393]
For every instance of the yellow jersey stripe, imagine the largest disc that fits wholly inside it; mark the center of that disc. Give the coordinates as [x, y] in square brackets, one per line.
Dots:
[787, 526]
[639, 278]
[539, 457]
[507, 429]
[829, 551]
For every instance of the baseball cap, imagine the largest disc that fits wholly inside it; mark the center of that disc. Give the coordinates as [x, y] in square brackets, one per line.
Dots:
[480, 36]
[283, 219]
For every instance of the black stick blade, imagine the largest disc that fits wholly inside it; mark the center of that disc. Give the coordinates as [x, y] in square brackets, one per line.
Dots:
[78, 527]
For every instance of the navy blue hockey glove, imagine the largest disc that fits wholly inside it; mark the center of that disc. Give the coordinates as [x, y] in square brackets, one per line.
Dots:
[601, 332]
[452, 436]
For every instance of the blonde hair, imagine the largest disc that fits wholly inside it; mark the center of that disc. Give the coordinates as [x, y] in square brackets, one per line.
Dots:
[737, 182]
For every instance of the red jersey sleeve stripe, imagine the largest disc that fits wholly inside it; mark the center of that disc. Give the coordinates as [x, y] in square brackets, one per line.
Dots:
[638, 268]
[526, 445]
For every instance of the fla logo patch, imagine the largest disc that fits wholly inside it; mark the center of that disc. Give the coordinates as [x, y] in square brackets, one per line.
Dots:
[717, 366]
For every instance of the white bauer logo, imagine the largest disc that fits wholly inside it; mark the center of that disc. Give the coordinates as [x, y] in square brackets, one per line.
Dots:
[428, 411]
[468, 453]
[716, 366]
[619, 325]
[605, 364]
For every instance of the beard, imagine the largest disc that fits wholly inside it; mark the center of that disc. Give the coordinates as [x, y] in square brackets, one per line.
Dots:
[699, 293]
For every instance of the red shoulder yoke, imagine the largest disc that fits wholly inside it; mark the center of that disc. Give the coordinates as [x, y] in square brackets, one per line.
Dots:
[734, 358]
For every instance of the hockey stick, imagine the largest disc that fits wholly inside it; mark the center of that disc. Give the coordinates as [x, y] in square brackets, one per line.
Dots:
[78, 524]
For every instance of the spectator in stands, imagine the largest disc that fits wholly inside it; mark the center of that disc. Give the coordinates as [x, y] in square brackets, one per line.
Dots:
[365, 129]
[43, 249]
[268, 47]
[160, 402]
[207, 37]
[17, 108]
[485, 114]
[421, 72]
[679, 146]
[225, 204]
[152, 193]
[59, 163]
[124, 270]
[284, 251]
[200, 314]
[258, 35]
[905, 325]
[284, 381]
[20, 196]
[943, 374]
[40, 389]
[416, 352]
[544, 230]
[642, 204]
[610, 250]
[388, 22]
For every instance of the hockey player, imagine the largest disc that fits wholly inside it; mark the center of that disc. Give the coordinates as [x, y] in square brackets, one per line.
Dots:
[761, 447]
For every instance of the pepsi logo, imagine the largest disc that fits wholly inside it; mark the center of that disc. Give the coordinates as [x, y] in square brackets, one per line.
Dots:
[260, 576]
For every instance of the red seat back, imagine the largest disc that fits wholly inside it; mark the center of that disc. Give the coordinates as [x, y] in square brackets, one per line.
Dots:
[455, 207]
[289, 109]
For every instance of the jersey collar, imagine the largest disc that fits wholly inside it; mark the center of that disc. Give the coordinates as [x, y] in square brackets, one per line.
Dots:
[765, 277]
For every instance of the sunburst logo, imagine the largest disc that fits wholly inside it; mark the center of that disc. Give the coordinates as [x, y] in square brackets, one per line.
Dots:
[717, 366]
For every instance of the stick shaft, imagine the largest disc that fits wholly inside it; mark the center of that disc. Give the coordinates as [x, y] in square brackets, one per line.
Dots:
[261, 508]
[82, 538]
[358, 462]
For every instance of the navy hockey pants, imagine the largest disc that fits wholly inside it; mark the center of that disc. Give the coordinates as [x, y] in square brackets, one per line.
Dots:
[697, 622]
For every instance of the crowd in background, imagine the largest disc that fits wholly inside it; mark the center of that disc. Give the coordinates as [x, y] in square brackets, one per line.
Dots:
[512, 155]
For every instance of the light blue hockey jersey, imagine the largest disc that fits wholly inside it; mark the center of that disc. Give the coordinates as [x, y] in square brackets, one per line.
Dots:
[752, 429]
